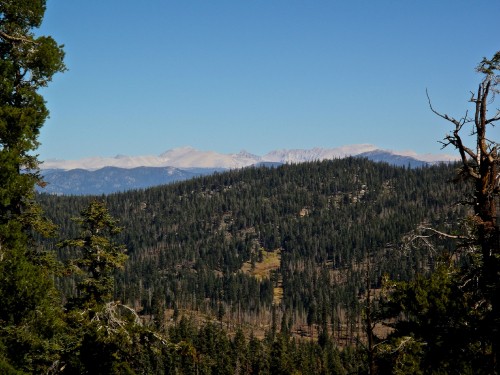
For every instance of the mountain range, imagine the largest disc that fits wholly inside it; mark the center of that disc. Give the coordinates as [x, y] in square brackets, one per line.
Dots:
[101, 175]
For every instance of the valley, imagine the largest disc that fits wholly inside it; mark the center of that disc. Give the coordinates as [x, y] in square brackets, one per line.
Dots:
[272, 246]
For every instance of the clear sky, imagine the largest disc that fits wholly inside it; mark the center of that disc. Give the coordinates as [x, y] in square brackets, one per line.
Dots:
[259, 75]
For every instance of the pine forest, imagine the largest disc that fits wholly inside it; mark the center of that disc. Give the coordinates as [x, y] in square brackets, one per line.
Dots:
[344, 266]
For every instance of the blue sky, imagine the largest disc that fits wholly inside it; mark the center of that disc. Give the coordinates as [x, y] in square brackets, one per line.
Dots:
[145, 77]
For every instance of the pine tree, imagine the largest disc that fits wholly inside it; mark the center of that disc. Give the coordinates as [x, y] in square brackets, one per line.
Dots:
[30, 307]
[100, 255]
[105, 332]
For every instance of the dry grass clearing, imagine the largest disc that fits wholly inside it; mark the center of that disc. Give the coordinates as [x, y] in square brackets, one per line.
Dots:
[271, 261]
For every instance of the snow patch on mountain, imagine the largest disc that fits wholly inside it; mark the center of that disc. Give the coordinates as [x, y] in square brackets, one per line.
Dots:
[189, 157]
[300, 156]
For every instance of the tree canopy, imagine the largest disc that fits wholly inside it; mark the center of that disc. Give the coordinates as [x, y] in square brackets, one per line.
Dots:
[27, 63]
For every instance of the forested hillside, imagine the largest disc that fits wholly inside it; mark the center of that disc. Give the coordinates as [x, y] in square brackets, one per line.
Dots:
[267, 247]
[334, 267]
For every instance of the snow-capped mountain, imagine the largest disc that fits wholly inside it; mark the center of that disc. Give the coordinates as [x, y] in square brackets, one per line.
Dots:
[108, 175]
[188, 157]
[182, 157]
[317, 153]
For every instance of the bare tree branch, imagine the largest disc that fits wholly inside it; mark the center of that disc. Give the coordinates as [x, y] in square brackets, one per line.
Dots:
[12, 38]
[456, 140]
[494, 118]
[443, 234]
[457, 123]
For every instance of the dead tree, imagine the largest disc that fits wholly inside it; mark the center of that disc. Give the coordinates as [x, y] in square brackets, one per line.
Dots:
[479, 166]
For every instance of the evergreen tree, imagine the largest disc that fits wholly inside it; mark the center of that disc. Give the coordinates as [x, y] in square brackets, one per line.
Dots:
[100, 255]
[27, 63]
[30, 309]
[103, 329]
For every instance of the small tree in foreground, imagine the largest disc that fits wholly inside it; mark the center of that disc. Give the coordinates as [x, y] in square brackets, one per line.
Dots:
[100, 255]
[105, 332]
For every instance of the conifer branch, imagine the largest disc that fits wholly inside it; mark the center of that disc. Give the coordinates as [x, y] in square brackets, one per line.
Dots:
[12, 38]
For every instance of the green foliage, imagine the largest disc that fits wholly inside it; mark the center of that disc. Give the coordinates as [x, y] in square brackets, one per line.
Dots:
[31, 333]
[244, 213]
[100, 256]
[7, 369]
[107, 340]
[208, 350]
[101, 332]
[188, 243]
[27, 64]
[433, 330]
[402, 355]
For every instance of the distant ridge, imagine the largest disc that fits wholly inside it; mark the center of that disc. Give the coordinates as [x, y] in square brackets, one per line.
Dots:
[393, 159]
[189, 157]
[87, 177]
[109, 180]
